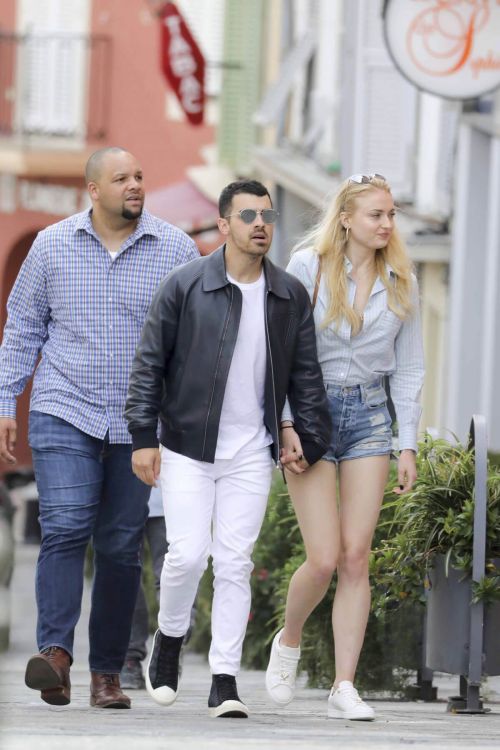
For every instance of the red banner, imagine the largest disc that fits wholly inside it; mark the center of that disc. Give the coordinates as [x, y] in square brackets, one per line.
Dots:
[182, 63]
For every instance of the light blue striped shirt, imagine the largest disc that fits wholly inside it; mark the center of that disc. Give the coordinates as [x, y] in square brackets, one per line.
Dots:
[386, 345]
[83, 312]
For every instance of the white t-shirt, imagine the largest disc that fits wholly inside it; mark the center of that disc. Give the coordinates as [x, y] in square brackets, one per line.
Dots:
[242, 417]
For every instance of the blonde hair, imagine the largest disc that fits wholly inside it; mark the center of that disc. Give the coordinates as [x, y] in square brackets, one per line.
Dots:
[328, 239]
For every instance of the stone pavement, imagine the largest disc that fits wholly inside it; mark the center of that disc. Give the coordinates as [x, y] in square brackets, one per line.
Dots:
[26, 722]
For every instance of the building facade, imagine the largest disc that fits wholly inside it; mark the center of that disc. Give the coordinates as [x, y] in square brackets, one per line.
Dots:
[324, 100]
[75, 76]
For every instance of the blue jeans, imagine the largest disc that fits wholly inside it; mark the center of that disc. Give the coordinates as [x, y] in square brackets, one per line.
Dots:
[86, 490]
[361, 424]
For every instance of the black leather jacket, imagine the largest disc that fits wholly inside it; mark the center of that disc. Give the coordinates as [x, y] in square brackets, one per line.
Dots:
[181, 365]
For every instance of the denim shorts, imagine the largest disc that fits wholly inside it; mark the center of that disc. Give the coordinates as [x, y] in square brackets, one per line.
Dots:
[361, 424]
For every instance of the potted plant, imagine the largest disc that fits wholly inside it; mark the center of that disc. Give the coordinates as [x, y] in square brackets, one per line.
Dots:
[426, 554]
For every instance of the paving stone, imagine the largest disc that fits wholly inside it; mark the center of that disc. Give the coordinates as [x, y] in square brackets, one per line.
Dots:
[26, 722]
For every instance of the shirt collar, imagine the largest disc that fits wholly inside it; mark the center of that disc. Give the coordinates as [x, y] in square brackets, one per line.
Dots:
[145, 225]
[348, 267]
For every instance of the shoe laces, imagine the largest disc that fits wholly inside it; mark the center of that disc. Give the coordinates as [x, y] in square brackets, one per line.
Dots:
[349, 691]
[288, 666]
[226, 687]
[51, 652]
[109, 679]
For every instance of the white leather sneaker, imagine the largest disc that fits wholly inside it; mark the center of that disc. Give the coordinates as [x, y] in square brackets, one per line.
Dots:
[345, 703]
[281, 671]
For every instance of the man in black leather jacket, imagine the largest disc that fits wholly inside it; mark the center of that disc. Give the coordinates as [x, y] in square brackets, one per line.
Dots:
[227, 338]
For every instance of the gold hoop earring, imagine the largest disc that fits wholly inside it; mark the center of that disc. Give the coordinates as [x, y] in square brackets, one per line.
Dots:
[347, 234]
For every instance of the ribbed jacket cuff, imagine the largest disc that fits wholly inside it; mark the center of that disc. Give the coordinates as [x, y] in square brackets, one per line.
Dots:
[312, 451]
[144, 438]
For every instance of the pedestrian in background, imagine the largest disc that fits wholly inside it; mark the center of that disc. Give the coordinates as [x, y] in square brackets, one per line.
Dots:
[79, 303]
[225, 339]
[132, 676]
[366, 311]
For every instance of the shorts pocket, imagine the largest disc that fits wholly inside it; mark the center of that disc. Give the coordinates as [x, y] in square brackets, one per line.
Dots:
[375, 396]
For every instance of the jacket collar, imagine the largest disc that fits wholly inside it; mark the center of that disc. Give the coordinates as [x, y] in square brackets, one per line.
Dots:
[214, 274]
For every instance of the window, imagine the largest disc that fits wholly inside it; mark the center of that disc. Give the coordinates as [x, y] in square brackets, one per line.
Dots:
[52, 75]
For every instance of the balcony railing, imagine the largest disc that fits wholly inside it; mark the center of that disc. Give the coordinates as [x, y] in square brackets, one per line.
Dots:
[55, 85]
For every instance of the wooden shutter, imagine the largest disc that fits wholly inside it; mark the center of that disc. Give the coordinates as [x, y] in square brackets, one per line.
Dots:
[52, 66]
[378, 111]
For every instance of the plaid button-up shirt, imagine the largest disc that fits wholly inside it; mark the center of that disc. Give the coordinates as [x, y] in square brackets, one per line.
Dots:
[83, 312]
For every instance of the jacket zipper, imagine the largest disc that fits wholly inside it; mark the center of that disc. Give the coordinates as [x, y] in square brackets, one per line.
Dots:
[272, 376]
[216, 370]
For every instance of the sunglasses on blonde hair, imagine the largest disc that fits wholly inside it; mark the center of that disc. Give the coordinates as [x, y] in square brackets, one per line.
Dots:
[365, 179]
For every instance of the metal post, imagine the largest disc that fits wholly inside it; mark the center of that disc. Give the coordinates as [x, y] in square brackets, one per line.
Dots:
[477, 440]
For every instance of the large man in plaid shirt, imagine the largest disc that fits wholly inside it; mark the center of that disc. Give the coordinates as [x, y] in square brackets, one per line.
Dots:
[79, 301]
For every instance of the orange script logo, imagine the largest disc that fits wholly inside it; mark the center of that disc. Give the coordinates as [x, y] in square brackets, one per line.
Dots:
[440, 39]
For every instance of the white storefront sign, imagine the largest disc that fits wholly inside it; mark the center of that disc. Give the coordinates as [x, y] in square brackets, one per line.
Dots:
[446, 47]
[30, 195]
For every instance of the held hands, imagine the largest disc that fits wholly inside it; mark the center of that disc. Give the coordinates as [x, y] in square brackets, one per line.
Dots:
[291, 456]
[146, 464]
[8, 436]
[407, 471]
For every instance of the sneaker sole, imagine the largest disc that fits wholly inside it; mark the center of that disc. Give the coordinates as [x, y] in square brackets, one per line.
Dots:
[163, 695]
[334, 713]
[229, 710]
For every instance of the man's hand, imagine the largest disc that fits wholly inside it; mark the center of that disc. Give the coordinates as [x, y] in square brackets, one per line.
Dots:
[407, 471]
[146, 465]
[291, 456]
[8, 436]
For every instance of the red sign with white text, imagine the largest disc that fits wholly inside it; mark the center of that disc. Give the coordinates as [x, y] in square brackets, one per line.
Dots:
[182, 63]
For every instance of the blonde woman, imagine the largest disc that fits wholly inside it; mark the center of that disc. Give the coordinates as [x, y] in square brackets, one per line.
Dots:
[365, 298]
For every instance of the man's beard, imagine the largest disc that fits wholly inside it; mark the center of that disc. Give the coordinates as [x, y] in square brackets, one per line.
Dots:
[130, 215]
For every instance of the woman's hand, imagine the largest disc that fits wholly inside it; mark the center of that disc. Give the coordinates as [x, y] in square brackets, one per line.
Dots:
[407, 471]
[291, 456]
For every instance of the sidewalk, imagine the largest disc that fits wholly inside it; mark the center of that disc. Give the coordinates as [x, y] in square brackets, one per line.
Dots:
[25, 721]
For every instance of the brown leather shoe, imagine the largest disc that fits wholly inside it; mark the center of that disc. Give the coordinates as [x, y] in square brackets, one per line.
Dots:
[105, 691]
[49, 673]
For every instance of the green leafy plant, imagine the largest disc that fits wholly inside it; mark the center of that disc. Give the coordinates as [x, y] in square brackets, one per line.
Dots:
[436, 517]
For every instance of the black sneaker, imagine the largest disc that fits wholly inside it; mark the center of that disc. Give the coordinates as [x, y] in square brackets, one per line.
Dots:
[162, 673]
[131, 676]
[224, 699]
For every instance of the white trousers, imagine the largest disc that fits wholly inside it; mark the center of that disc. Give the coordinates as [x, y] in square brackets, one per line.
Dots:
[214, 509]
